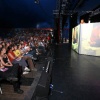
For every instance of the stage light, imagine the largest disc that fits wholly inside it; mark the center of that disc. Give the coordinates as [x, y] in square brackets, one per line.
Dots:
[36, 1]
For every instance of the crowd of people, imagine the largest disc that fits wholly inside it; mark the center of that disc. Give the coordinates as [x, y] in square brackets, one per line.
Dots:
[18, 53]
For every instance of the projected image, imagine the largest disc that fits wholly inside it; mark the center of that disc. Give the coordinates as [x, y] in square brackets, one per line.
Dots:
[95, 36]
[75, 38]
[90, 39]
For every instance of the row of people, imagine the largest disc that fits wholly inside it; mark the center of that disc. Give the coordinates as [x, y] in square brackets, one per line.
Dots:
[17, 58]
[10, 71]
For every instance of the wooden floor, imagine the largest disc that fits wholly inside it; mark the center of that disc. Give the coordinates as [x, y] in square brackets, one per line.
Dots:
[8, 93]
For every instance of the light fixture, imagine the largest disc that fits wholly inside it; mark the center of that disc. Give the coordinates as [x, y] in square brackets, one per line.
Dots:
[36, 1]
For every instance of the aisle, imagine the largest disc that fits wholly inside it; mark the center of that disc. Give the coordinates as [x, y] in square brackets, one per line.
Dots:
[77, 76]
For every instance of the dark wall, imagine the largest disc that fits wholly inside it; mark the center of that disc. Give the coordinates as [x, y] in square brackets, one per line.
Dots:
[85, 17]
[95, 18]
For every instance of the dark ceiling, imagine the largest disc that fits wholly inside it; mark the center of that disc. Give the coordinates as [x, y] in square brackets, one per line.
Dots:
[26, 13]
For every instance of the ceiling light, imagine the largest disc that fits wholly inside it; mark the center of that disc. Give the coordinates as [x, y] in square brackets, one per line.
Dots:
[36, 1]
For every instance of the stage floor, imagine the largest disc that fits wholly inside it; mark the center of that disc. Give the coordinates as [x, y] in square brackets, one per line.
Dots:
[77, 76]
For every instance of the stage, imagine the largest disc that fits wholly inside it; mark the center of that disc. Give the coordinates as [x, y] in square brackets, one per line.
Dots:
[77, 76]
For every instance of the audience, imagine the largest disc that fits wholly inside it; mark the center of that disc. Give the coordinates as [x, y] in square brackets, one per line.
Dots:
[10, 71]
[15, 59]
[17, 55]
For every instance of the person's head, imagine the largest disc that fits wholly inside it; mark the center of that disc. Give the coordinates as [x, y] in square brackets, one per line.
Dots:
[0, 45]
[7, 45]
[2, 50]
[11, 48]
[19, 46]
[82, 21]
[3, 43]
[15, 47]
[22, 46]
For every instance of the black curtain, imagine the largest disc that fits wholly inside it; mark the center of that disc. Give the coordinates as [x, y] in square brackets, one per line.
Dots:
[95, 18]
[85, 17]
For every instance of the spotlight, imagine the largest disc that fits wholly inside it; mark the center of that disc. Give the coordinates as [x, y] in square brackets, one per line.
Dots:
[36, 1]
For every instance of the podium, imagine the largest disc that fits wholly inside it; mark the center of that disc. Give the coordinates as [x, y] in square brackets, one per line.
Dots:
[86, 39]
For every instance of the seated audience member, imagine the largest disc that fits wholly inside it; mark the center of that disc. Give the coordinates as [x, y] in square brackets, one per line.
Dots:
[18, 53]
[10, 72]
[32, 46]
[7, 45]
[41, 46]
[33, 51]
[28, 51]
[18, 60]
